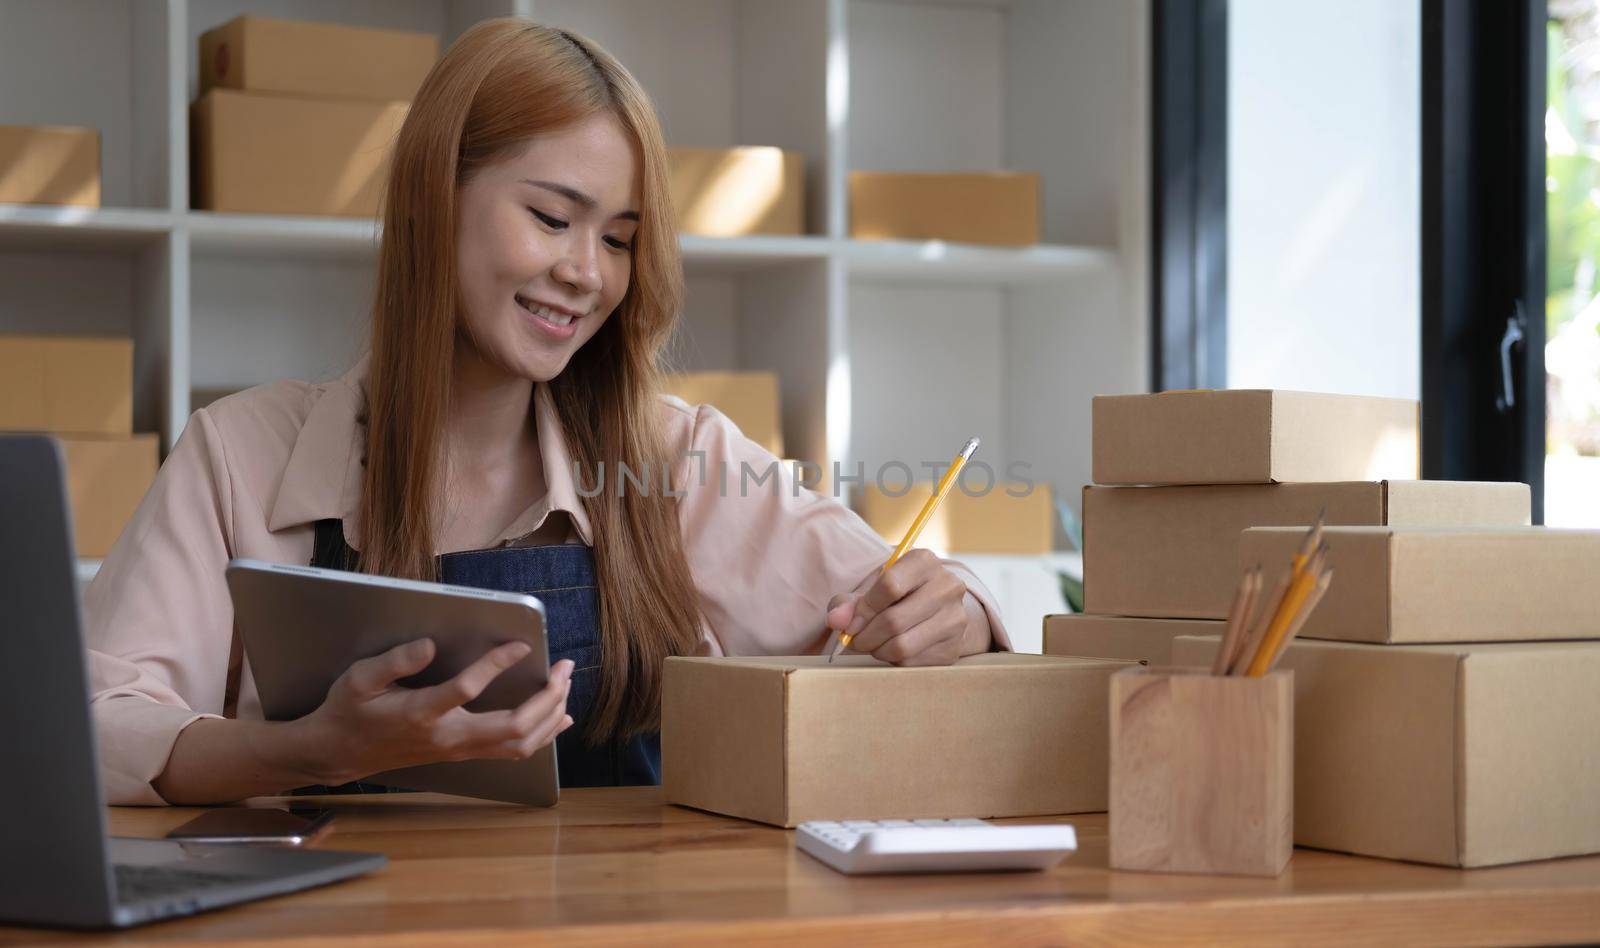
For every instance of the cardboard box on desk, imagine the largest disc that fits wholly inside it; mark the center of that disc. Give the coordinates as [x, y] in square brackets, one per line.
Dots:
[1253, 436]
[71, 384]
[1010, 518]
[301, 57]
[999, 207]
[275, 154]
[788, 739]
[1172, 552]
[106, 479]
[1125, 638]
[49, 164]
[749, 399]
[1460, 755]
[737, 192]
[1412, 584]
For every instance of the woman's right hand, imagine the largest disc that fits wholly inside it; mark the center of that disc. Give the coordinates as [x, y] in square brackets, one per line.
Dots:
[369, 723]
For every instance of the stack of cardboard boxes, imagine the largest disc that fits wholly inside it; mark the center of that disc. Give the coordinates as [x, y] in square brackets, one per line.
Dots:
[1430, 725]
[1450, 752]
[1179, 476]
[81, 390]
[299, 118]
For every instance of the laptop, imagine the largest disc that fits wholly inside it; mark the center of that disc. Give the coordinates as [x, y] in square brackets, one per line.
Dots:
[57, 865]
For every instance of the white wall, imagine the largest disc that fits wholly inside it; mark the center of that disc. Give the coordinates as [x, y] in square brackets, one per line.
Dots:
[1324, 255]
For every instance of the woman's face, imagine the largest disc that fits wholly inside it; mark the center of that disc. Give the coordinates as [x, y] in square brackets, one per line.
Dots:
[545, 243]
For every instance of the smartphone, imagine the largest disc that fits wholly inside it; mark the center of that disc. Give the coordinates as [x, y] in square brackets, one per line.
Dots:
[291, 827]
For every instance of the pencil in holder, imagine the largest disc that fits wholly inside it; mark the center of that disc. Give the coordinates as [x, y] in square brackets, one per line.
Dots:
[1202, 771]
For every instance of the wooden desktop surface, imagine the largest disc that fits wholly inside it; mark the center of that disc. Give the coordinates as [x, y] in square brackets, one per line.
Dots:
[619, 866]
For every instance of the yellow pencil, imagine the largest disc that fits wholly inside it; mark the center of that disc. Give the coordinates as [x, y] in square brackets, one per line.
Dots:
[926, 514]
[1299, 589]
[1300, 620]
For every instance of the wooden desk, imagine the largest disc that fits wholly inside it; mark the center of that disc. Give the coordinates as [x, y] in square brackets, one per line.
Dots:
[617, 866]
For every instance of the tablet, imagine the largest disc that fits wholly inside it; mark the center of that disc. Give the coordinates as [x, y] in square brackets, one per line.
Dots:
[302, 626]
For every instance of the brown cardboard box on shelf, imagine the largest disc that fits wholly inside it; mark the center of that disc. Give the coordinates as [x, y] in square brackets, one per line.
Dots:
[1460, 755]
[1252, 437]
[1126, 638]
[106, 479]
[302, 57]
[205, 397]
[1000, 207]
[736, 192]
[274, 154]
[1173, 552]
[1415, 584]
[749, 399]
[71, 384]
[49, 164]
[996, 522]
[784, 739]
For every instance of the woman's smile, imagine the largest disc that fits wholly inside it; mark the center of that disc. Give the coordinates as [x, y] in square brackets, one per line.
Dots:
[557, 321]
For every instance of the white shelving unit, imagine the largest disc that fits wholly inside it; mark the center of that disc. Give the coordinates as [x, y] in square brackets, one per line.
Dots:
[885, 350]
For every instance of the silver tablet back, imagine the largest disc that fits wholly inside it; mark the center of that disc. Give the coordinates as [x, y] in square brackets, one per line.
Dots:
[302, 627]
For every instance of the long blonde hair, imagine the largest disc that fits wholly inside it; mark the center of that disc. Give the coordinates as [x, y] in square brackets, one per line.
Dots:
[503, 82]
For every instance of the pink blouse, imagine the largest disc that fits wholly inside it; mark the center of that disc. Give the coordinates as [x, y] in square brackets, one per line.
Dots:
[252, 474]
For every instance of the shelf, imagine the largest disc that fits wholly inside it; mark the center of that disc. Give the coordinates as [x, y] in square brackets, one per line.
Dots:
[734, 254]
[937, 261]
[59, 227]
[273, 236]
[263, 235]
[849, 326]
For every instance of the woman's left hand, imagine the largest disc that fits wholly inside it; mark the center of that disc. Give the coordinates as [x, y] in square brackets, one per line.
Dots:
[915, 613]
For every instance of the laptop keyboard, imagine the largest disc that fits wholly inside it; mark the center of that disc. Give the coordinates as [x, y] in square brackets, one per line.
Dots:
[135, 883]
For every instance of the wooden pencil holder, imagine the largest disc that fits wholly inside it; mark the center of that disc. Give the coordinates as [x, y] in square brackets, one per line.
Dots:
[1202, 771]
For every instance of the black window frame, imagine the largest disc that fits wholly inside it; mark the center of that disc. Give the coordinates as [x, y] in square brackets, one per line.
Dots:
[1189, 194]
[1483, 241]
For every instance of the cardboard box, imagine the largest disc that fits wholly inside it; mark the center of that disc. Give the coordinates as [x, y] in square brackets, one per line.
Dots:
[1173, 552]
[1253, 437]
[205, 397]
[749, 399]
[49, 164]
[999, 207]
[1412, 584]
[72, 384]
[1126, 638]
[272, 154]
[737, 192]
[1461, 755]
[783, 740]
[300, 57]
[106, 479]
[995, 522]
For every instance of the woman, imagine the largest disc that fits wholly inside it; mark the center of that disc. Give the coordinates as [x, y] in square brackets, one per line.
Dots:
[527, 281]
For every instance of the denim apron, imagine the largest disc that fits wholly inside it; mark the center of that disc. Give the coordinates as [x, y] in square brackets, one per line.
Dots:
[562, 577]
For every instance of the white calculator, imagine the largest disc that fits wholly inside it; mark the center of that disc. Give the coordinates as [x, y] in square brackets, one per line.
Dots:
[875, 846]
